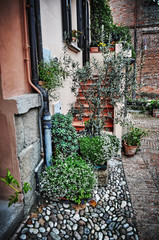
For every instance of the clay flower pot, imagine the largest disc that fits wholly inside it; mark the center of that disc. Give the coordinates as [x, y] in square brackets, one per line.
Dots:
[94, 49]
[130, 150]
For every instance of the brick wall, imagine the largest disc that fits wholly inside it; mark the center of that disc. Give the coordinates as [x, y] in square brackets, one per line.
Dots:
[123, 11]
[144, 20]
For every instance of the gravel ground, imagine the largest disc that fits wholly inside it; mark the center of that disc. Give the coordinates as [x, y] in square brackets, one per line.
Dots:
[112, 218]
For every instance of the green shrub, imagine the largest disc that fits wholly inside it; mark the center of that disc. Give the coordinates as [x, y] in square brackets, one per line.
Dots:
[69, 177]
[134, 135]
[99, 149]
[151, 105]
[52, 75]
[64, 134]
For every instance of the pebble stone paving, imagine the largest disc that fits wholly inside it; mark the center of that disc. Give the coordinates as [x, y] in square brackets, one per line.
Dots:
[111, 219]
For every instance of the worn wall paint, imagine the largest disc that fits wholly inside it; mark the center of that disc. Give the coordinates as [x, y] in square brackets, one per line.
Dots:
[51, 20]
[12, 49]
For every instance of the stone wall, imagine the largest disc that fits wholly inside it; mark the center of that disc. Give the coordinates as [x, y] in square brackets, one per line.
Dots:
[147, 58]
[28, 149]
[143, 22]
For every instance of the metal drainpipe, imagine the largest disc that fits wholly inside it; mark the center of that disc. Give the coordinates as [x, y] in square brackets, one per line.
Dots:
[35, 79]
[27, 60]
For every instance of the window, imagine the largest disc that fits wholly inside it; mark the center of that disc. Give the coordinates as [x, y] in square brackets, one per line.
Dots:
[66, 20]
[75, 17]
[72, 20]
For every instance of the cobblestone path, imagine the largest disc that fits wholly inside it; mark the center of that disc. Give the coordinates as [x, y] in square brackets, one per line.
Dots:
[142, 175]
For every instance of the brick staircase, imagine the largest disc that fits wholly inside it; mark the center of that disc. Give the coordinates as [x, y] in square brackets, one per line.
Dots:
[107, 112]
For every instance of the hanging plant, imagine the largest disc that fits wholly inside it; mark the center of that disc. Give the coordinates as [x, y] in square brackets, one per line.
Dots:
[52, 74]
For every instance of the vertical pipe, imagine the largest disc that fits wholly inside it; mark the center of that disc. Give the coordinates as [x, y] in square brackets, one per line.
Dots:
[47, 138]
[33, 25]
[27, 60]
[38, 31]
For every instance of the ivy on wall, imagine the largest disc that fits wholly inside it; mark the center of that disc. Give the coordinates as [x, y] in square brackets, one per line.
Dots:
[102, 27]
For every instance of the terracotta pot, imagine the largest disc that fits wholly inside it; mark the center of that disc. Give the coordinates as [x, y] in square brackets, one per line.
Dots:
[156, 112]
[94, 49]
[130, 150]
[112, 49]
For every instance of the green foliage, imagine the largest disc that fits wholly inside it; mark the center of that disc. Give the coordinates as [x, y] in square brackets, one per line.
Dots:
[112, 82]
[51, 73]
[134, 135]
[98, 150]
[69, 177]
[143, 104]
[64, 134]
[13, 183]
[102, 27]
[26, 187]
[152, 104]
[121, 33]
[138, 104]
[101, 20]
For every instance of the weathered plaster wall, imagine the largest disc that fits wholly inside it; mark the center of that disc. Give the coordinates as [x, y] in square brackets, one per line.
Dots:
[51, 20]
[28, 150]
[8, 159]
[14, 80]
[19, 142]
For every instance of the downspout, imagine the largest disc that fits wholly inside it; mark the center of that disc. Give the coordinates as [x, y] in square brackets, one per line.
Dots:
[35, 80]
[27, 60]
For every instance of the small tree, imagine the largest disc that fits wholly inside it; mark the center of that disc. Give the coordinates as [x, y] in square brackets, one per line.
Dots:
[102, 83]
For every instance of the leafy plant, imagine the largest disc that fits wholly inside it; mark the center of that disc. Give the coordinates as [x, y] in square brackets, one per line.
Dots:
[52, 74]
[121, 33]
[13, 183]
[102, 84]
[69, 177]
[102, 27]
[101, 20]
[134, 135]
[98, 150]
[76, 33]
[152, 104]
[64, 134]
[138, 104]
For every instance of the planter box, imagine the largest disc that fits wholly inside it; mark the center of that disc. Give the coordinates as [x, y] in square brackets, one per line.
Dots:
[94, 49]
[102, 174]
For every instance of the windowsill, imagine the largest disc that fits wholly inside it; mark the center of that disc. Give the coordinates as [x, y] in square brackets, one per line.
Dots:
[74, 48]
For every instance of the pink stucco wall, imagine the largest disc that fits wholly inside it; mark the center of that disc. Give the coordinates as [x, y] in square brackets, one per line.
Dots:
[12, 49]
[13, 82]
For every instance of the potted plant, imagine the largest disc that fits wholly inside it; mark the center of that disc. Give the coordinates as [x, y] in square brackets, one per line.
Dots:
[94, 48]
[153, 107]
[52, 74]
[75, 35]
[132, 140]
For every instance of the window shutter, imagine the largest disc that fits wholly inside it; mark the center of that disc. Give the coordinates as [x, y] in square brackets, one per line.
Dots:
[79, 23]
[66, 20]
[86, 50]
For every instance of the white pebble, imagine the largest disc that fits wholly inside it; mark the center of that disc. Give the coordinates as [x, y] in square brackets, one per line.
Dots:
[123, 204]
[51, 224]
